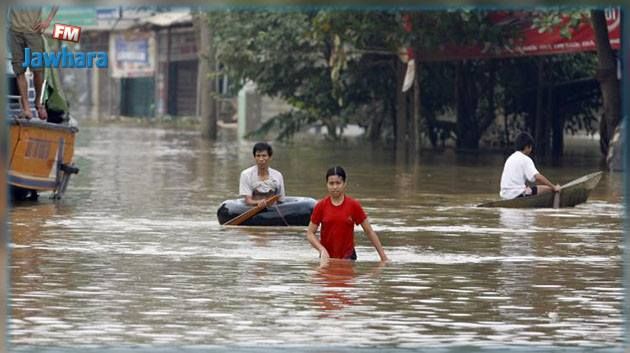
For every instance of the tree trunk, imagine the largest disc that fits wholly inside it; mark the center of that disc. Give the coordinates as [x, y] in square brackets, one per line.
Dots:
[401, 112]
[607, 77]
[557, 123]
[331, 129]
[376, 123]
[206, 87]
[541, 135]
[467, 131]
[414, 130]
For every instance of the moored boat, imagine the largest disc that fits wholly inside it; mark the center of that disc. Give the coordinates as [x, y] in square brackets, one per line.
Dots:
[40, 157]
[571, 194]
[291, 211]
[41, 151]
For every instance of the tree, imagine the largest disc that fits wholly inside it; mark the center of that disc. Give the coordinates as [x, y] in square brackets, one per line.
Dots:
[206, 87]
[311, 60]
[606, 66]
[342, 67]
[607, 77]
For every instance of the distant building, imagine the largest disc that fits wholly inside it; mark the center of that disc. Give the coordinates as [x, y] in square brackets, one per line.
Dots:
[153, 62]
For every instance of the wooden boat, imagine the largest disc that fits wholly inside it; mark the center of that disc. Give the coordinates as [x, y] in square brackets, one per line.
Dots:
[291, 211]
[40, 152]
[571, 194]
[40, 157]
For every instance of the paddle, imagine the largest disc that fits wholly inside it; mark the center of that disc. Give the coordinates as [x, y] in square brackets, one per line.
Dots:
[556, 200]
[250, 213]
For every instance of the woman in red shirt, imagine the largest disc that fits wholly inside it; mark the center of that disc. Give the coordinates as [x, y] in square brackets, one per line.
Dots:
[338, 213]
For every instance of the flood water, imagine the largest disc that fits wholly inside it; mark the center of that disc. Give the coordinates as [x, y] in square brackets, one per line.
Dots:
[134, 254]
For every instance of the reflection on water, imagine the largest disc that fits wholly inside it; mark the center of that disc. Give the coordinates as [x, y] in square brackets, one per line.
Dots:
[517, 219]
[336, 280]
[135, 254]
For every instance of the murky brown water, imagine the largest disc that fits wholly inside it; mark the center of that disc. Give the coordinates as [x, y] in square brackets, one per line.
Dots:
[134, 254]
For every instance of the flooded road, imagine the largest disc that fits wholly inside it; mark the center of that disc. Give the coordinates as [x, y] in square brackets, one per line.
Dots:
[134, 254]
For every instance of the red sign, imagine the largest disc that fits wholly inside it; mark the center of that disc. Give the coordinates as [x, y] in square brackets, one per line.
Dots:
[68, 33]
[530, 41]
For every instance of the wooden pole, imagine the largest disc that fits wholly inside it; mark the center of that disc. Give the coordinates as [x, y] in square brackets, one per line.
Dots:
[540, 132]
[401, 113]
[206, 87]
[557, 121]
[415, 129]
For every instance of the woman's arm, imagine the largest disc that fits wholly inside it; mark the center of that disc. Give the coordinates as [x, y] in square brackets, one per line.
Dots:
[371, 234]
[310, 235]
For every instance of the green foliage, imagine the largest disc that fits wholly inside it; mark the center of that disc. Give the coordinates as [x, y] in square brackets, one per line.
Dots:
[334, 67]
[314, 60]
[270, 48]
[581, 112]
[287, 124]
[565, 22]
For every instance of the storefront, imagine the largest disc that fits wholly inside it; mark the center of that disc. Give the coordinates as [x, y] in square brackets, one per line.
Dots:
[133, 61]
[177, 77]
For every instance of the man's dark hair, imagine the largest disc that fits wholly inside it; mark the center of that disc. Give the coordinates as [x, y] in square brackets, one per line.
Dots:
[523, 140]
[262, 146]
[338, 171]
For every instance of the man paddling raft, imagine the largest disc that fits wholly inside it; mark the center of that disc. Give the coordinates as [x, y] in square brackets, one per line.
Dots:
[519, 169]
[259, 182]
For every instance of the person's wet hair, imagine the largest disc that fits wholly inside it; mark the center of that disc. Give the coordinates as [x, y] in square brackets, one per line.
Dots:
[338, 171]
[523, 140]
[262, 146]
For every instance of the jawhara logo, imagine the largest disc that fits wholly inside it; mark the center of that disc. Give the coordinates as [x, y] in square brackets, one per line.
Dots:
[65, 59]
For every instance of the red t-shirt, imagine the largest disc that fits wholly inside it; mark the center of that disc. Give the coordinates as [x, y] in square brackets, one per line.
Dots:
[337, 225]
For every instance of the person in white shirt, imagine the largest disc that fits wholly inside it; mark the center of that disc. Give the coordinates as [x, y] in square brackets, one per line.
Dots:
[519, 170]
[260, 182]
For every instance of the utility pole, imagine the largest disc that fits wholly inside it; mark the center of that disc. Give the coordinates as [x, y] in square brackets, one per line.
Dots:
[206, 85]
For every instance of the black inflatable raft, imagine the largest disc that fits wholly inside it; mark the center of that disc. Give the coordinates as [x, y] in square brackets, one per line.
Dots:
[292, 211]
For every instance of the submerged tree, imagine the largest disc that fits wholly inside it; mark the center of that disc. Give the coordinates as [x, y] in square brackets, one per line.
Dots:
[341, 67]
[606, 71]
[607, 77]
[299, 57]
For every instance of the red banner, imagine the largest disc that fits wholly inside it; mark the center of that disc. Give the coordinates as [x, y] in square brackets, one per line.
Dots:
[529, 41]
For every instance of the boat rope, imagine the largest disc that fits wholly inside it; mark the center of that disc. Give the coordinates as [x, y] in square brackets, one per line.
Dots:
[275, 206]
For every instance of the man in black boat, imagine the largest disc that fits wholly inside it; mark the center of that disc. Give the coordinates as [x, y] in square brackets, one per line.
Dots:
[519, 170]
[260, 182]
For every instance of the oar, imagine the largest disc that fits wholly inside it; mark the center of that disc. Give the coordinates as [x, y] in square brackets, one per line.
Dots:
[250, 213]
[556, 199]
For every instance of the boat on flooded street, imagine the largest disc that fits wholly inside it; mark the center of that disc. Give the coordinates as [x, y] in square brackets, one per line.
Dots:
[41, 151]
[136, 256]
[292, 211]
[40, 157]
[571, 194]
